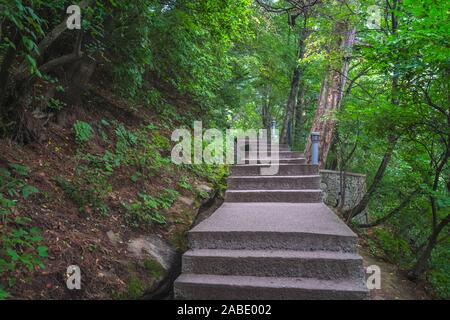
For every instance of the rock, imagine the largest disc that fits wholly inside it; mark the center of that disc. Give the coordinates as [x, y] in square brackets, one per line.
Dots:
[204, 188]
[153, 247]
[114, 237]
[187, 201]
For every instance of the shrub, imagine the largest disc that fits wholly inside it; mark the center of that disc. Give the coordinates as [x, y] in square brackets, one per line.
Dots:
[20, 243]
[147, 209]
[83, 132]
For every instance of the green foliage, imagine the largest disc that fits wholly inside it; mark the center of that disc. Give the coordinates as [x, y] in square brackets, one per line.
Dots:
[147, 209]
[401, 89]
[83, 132]
[88, 189]
[396, 248]
[135, 289]
[184, 183]
[55, 104]
[20, 243]
[231, 60]
[160, 141]
[439, 275]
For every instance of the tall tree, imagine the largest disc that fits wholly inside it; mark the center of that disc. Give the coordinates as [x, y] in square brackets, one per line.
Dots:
[332, 91]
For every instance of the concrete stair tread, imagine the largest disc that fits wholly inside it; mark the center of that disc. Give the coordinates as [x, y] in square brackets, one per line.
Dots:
[281, 152]
[275, 190]
[276, 177]
[262, 165]
[269, 158]
[284, 169]
[275, 182]
[277, 254]
[315, 218]
[277, 195]
[272, 282]
[272, 238]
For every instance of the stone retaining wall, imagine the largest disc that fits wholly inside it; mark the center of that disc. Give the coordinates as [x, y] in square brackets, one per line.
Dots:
[354, 191]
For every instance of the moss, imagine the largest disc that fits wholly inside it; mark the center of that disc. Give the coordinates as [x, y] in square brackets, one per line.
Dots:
[154, 268]
[135, 288]
[179, 241]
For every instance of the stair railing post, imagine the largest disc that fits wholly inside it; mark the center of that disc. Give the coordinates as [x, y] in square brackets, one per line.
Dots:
[315, 138]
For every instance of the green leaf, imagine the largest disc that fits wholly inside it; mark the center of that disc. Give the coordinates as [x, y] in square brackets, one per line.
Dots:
[42, 251]
[19, 169]
[13, 254]
[3, 294]
[28, 190]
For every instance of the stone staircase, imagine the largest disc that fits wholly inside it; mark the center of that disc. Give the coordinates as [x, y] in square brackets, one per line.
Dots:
[273, 238]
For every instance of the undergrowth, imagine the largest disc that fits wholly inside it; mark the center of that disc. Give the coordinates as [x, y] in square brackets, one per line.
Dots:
[20, 243]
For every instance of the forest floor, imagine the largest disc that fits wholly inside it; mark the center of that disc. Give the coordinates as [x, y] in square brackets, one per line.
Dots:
[394, 284]
[103, 245]
[99, 244]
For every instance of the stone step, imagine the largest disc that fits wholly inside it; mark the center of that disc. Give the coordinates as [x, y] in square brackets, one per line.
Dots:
[206, 287]
[274, 263]
[281, 154]
[269, 160]
[273, 226]
[290, 196]
[268, 141]
[281, 147]
[284, 170]
[266, 240]
[274, 183]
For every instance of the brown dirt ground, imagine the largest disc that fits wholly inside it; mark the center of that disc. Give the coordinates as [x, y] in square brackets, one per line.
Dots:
[394, 284]
[81, 239]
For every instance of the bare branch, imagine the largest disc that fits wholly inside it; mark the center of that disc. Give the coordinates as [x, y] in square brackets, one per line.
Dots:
[393, 212]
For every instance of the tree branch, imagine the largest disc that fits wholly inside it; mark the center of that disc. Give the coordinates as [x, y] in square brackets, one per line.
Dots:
[47, 42]
[393, 212]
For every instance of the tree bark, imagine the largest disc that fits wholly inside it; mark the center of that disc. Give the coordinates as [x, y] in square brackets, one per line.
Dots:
[297, 78]
[5, 67]
[300, 109]
[331, 94]
[54, 34]
[349, 214]
[265, 112]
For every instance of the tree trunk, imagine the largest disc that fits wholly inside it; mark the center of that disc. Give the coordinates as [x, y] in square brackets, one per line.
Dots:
[265, 112]
[392, 213]
[298, 123]
[5, 68]
[349, 214]
[331, 94]
[422, 262]
[297, 78]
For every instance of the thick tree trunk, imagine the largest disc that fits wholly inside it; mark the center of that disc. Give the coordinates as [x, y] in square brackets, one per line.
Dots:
[331, 94]
[297, 78]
